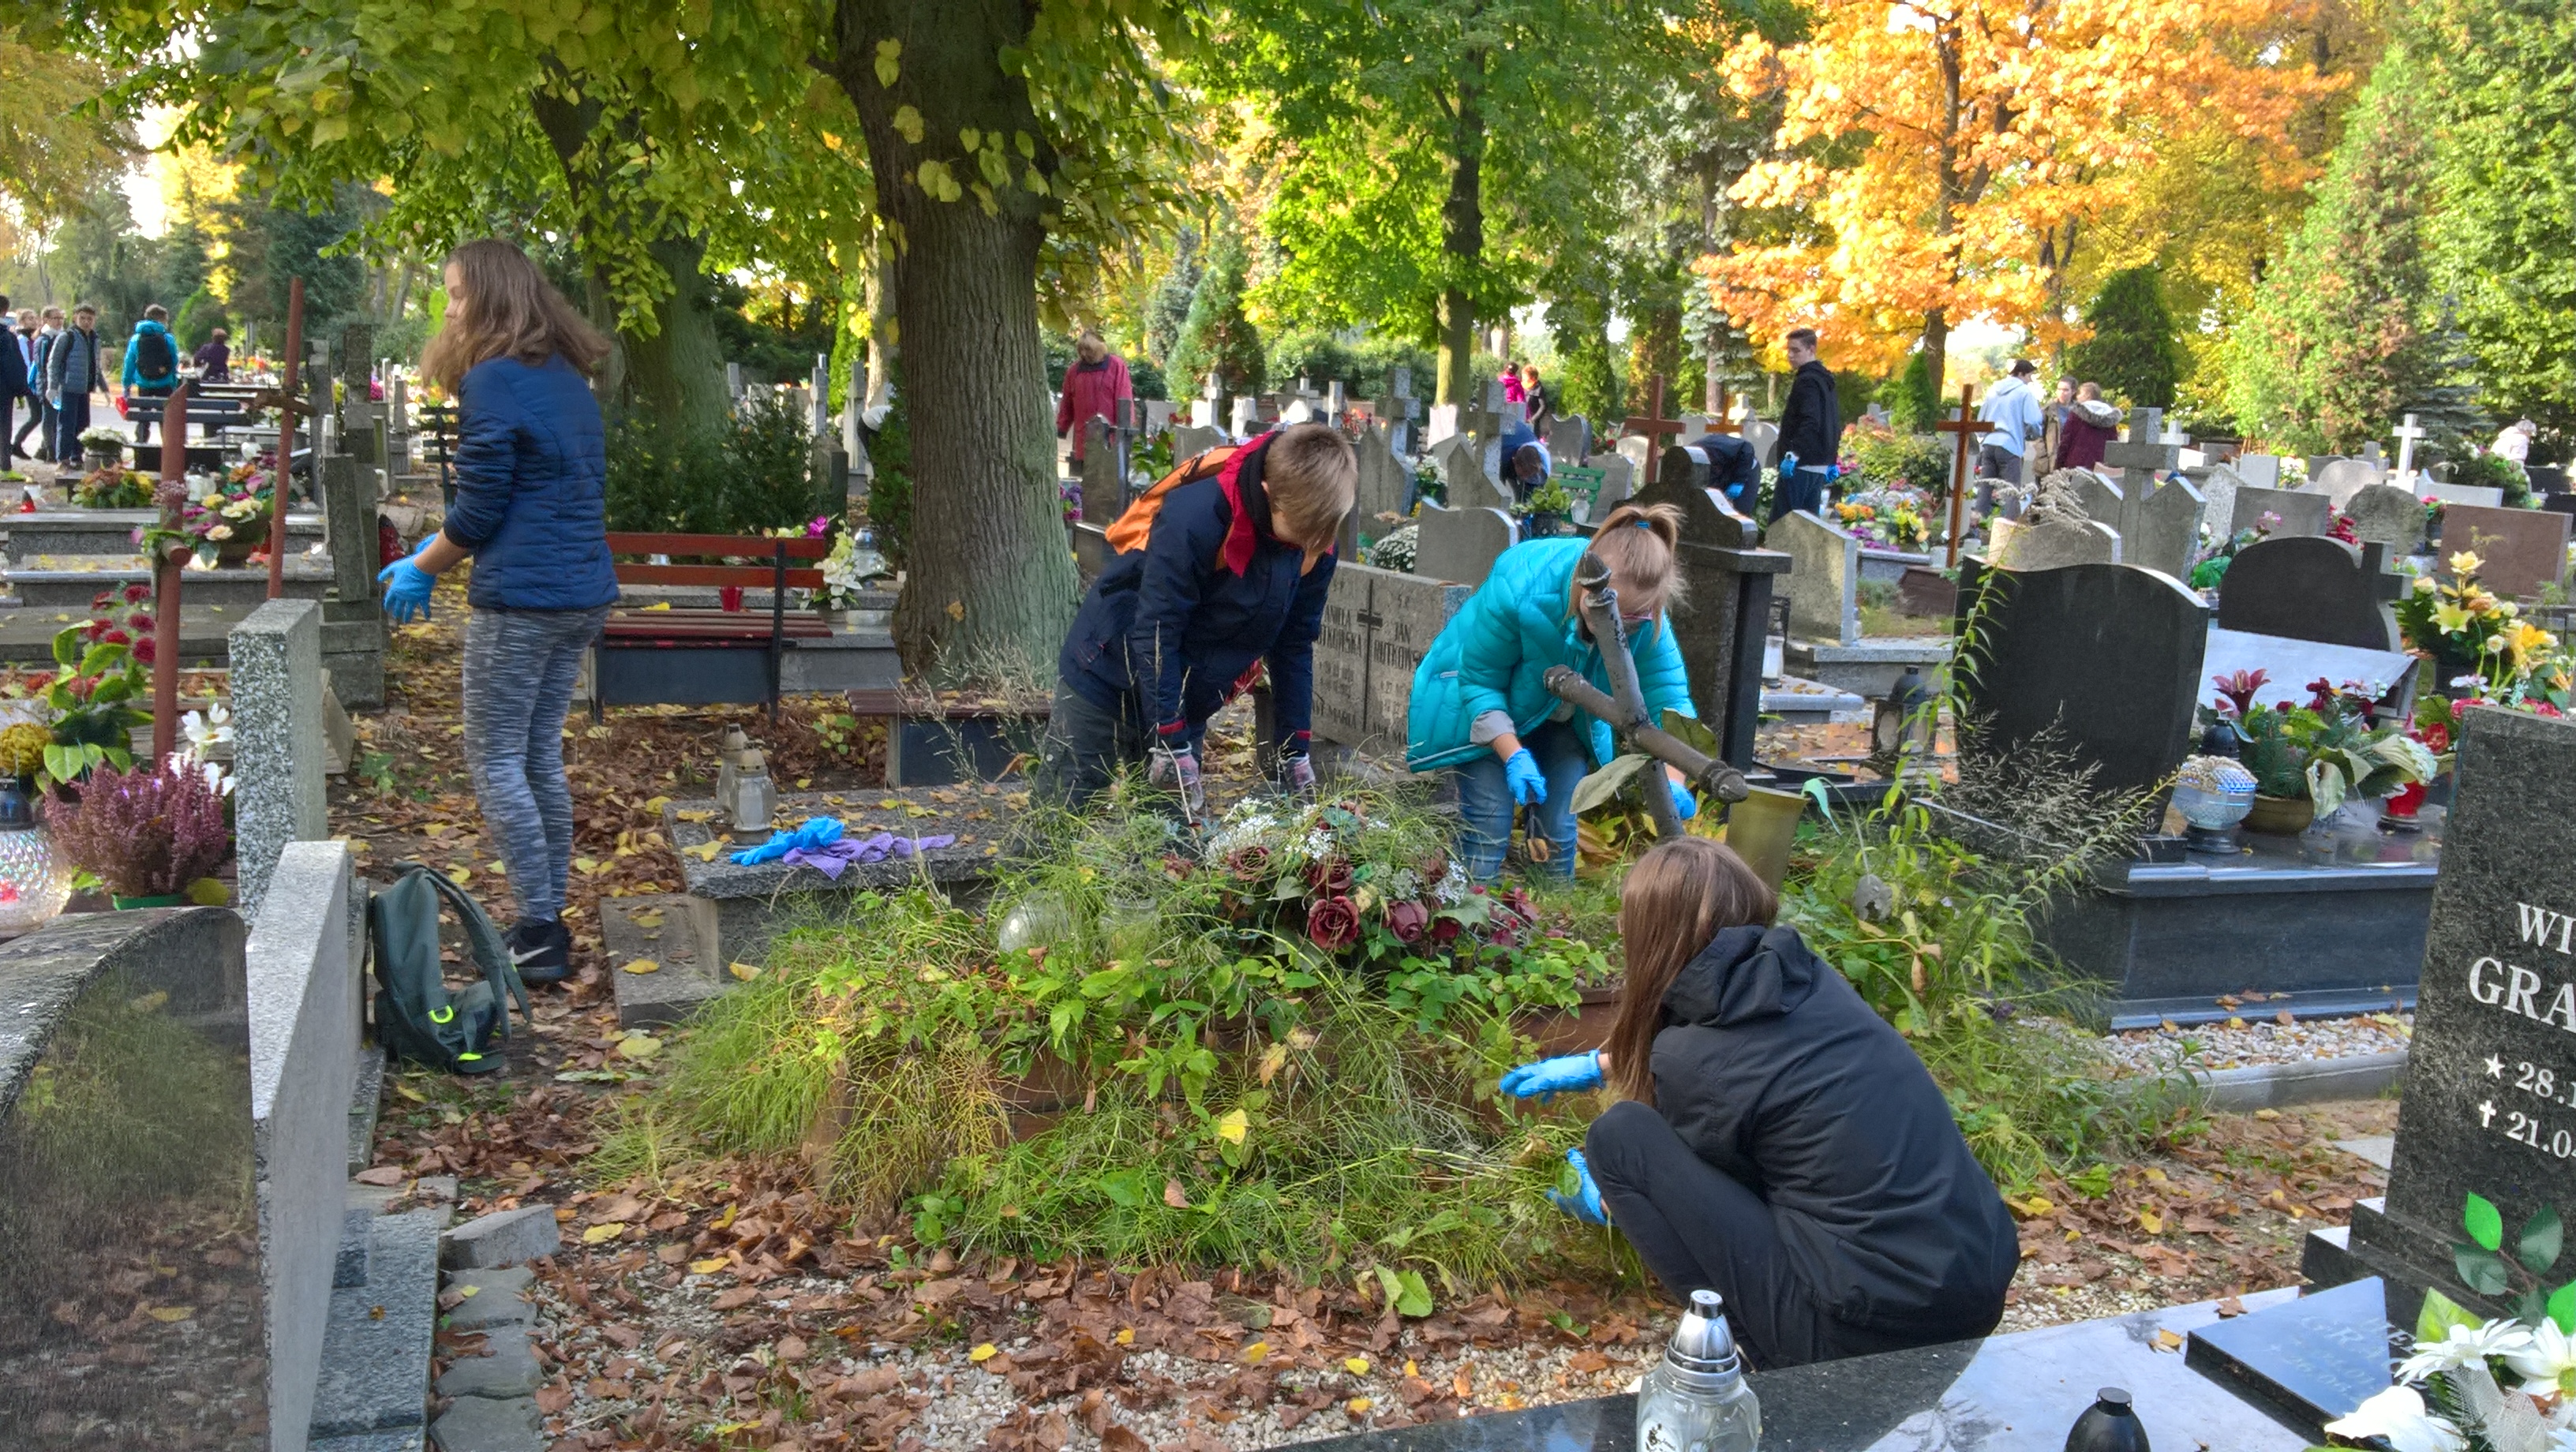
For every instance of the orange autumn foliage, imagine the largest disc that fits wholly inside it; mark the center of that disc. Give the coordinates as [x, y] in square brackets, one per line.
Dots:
[1932, 152]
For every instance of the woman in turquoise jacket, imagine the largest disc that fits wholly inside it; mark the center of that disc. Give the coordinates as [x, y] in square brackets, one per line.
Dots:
[1481, 706]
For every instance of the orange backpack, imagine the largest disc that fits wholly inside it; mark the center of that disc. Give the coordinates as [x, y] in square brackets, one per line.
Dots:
[1136, 525]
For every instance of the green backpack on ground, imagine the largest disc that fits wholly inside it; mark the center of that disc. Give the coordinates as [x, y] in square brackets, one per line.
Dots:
[416, 1017]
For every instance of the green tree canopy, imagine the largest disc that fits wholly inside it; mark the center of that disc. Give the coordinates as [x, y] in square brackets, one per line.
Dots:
[2132, 353]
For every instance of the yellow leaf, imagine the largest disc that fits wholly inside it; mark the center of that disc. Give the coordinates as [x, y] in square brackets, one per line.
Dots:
[1234, 1127]
[170, 1313]
[1358, 1366]
[656, 804]
[638, 1046]
[643, 965]
[2151, 1222]
[705, 851]
[585, 865]
[710, 1265]
[1358, 1406]
[956, 609]
[460, 875]
[743, 971]
[498, 869]
[907, 124]
[889, 58]
[803, 782]
[659, 605]
[607, 1230]
[2168, 1341]
[696, 814]
[725, 1221]
[1126, 1336]
[970, 139]
[1410, 1369]
[1253, 1354]
[983, 1353]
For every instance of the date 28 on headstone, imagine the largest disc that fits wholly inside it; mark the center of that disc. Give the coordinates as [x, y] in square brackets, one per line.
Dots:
[2490, 1095]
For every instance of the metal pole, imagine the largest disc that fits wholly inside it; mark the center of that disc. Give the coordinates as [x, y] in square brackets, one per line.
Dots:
[1625, 706]
[278, 481]
[165, 576]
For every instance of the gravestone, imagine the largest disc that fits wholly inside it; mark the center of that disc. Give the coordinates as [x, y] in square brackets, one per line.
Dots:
[2263, 471]
[1158, 414]
[353, 621]
[1618, 482]
[1377, 626]
[2164, 529]
[1247, 412]
[1463, 463]
[2481, 495]
[1824, 573]
[1104, 494]
[2218, 485]
[1763, 435]
[1385, 485]
[2106, 656]
[1190, 441]
[2147, 449]
[2341, 479]
[1461, 544]
[2520, 551]
[1570, 438]
[2309, 587]
[127, 1187]
[2488, 1074]
[278, 795]
[1723, 620]
[2296, 511]
[2383, 514]
[2051, 544]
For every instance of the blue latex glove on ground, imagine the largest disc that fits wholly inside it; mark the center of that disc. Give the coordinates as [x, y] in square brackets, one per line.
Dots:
[1564, 1074]
[407, 588]
[817, 833]
[1585, 1203]
[1685, 801]
[1528, 783]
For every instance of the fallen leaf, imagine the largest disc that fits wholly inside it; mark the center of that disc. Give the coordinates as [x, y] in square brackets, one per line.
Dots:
[1175, 1196]
[983, 1353]
[2151, 1222]
[2267, 1114]
[956, 609]
[1358, 1406]
[643, 965]
[169, 1313]
[737, 1298]
[1356, 1366]
[1255, 1353]
[1121, 1439]
[743, 971]
[638, 1046]
[605, 1230]
[381, 1175]
[2168, 1341]
[792, 1348]
[704, 851]
[710, 1265]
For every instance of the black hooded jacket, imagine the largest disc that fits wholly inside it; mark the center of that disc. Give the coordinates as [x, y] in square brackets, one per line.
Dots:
[1811, 424]
[1772, 1069]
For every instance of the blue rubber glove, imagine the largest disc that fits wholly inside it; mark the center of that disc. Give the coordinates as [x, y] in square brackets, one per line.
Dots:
[817, 833]
[1585, 1203]
[407, 588]
[1685, 801]
[1564, 1074]
[1528, 784]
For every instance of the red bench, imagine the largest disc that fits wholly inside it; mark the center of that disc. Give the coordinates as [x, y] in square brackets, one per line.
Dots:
[696, 656]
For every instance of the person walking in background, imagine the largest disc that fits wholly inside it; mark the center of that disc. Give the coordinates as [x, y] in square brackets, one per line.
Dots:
[1510, 378]
[2052, 432]
[14, 385]
[214, 358]
[2514, 444]
[1092, 388]
[38, 349]
[1536, 406]
[151, 372]
[531, 467]
[72, 373]
[2012, 408]
[1811, 430]
[27, 340]
[2090, 424]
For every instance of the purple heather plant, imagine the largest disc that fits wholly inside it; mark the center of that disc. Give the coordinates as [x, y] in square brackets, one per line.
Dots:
[145, 833]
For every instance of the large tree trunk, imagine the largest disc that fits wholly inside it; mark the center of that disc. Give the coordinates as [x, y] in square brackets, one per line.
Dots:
[1462, 231]
[990, 585]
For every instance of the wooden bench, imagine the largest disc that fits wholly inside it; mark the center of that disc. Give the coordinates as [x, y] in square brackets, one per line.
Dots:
[696, 656]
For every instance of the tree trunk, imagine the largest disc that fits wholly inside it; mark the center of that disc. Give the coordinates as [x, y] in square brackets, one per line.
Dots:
[1936, 359]
[1462, 232]
[990, 586]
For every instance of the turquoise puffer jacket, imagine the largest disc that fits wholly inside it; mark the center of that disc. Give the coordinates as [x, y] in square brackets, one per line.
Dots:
[1495, 654]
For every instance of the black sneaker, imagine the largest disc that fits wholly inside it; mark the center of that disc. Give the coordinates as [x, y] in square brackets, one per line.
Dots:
[541, 951]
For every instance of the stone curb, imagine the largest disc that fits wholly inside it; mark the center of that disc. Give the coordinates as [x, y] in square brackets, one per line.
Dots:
[2273, 1086]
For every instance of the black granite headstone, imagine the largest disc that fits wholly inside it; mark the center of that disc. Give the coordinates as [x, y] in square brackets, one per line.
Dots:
[2490, 1097]
[2311, 1361]
[1725, 608]
[131, 1310]
[2310, 587]
[2107, 655]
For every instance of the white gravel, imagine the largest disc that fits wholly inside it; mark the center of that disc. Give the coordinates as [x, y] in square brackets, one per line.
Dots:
[2251, 1037]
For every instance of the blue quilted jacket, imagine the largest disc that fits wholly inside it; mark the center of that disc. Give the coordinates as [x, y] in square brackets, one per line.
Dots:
[1495, 653]
[531, 487]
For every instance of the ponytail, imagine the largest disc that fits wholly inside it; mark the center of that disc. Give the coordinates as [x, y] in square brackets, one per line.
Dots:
[1639, 542]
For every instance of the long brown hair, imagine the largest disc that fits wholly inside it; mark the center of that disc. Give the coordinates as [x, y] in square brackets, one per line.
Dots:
[507, 310]
[1638, 542]
[1677, 897]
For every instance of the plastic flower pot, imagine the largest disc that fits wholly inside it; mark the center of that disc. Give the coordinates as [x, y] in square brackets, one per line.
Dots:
[1762, 827]
[2281, 816]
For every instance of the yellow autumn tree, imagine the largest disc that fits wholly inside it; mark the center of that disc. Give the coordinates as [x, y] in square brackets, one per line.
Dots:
[1940, 157]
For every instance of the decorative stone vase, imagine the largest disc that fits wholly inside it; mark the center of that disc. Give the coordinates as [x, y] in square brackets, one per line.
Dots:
[98, 459]
[232, 554]
[2281, 816]
[1546, 526]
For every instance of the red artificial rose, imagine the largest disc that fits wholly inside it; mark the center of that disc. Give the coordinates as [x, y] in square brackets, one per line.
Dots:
[1333, 923]
[2543, 708]
[117, 637]
[139, 622]
[1248, 864]
[1407, 920]
[1330, 877]
[143, 650]
[134, 594]
[1444, 930]
[102, 601]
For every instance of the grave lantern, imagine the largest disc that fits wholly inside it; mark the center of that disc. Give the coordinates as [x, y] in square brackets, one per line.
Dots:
[1903, 725]
[33, 884]
[755, 799]
[2213, 792]
[729, 766]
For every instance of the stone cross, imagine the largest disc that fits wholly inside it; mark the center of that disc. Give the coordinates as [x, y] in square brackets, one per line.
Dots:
[1653, 426]
[2407, 433]
[278, 751]
[2148, 447]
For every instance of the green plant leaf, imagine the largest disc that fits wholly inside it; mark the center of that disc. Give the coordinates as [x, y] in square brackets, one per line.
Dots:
[2562, 1307]
[2482, 1271]
[1389, 1284]
[1603, 787]
[1415, 1297]
[2439, 1315]
[2538, 1247]
[2483, 1221]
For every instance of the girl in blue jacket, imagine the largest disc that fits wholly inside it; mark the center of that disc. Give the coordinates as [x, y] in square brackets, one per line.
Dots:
[1480, 703]
[532, 509]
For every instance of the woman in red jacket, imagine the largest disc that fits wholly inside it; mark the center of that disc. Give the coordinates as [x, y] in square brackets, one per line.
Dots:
[1092, 388]
[2090, 424]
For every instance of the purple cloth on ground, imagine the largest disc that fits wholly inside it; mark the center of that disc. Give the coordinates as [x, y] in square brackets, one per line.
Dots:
[831, 858]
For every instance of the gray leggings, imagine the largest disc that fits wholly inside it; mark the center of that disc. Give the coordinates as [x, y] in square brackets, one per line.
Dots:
[520, 666]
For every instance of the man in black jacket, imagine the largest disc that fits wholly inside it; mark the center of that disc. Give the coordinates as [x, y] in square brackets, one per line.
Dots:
[14, 385]
[1811, 430]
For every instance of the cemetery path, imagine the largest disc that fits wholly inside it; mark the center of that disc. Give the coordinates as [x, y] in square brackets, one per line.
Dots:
[729, 1305]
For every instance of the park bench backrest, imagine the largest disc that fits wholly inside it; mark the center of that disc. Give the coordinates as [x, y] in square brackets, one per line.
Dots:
[772, 571]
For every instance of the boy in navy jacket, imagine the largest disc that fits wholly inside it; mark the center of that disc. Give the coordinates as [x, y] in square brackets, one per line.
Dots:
[1223, 567]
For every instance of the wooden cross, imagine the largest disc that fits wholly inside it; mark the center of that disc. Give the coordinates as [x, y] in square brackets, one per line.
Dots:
[1718, 422]
[1964, 425]
[1654, 426]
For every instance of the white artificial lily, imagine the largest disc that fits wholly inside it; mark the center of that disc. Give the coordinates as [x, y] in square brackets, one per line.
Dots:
[2546, 1361]
[205, 728]
[2398, 1414]
[2466, 1346]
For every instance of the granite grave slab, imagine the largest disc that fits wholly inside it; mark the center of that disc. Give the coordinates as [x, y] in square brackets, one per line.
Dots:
[1721, 625]
[1461, 544]
[2292, 511]
[2341, 479]
[2521, 551]
[2312, 588]
[1378, 624]
[2385, 515]
[1824, 576]
[2310, 1361]
[2106, 657]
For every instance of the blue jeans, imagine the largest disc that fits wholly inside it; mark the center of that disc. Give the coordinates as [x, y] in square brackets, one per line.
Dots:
[1803, 489]
[1485, 801]
[520, 667]
[69, 420]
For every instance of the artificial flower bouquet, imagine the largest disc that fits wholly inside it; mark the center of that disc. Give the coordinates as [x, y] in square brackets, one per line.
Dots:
[2478, 641]
[1345, 878]
[1896, 517]
[2328, 750]
[225, 521]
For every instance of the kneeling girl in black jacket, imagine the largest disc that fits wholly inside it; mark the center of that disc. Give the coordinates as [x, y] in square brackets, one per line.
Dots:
[1222, 568]
[1775, 1140]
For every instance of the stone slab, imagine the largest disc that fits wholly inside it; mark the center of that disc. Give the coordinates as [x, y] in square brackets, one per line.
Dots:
[749, 904]
[409, 1441]
[376, 1348]
[2297, 511]
[1723, 622]
[2289, 664]
[496, 1297]
[1461, 544]
[366, 1094]
[2522, 551]
[1824, 574]
[2313, 1360]
[63, 531]
[1869, 669]
[2373, 1149]
[2341, 479]
[278, 747]
[2014, 1393]
[2387, 516]
[1378, 624]
[668, 937]
[2482, 496]
[70, 582]
[2310, 587]
[483, 1424]
[506, 1369]
[502, 1238]
[349, 1268]
[2105, 657]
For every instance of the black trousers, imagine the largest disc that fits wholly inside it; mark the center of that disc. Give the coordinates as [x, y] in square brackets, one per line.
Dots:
[1800, 489]
[1085, 746]
[1698, 1228]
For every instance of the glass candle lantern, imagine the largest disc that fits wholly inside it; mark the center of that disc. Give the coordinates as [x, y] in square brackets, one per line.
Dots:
[33, 883]
[2213, 794]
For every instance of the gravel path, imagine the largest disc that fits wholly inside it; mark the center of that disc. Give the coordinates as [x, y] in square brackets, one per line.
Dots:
[2249, 1039]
